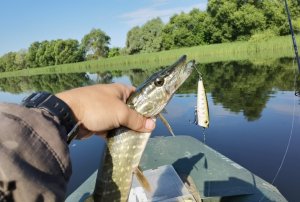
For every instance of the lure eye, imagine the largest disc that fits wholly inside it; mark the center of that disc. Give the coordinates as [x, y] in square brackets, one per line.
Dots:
[159, 82]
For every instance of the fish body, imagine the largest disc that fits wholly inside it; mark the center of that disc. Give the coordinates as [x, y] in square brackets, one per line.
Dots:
[124, 146]
[202, 106]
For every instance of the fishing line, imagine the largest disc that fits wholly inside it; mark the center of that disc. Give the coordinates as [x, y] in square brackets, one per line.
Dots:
[200, 75]
[296, 94]
[295, 90]
[290, 136]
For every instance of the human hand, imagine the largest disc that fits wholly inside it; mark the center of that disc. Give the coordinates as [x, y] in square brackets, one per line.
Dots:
[102, 107]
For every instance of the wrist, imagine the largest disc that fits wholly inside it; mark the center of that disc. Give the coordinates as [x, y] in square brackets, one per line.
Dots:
[55, 107]
[75, 108]
[71, 104]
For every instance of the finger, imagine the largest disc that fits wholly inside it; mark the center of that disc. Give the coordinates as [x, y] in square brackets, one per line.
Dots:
[136, 121]
[126, 91]
[132, 88]
[122, 91]
[129, 90]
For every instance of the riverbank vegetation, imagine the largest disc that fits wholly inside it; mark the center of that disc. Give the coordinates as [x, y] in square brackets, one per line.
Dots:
[223, 21]
[257, 52]
[243, 81]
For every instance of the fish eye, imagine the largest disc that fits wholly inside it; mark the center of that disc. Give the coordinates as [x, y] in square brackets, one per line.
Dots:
[159, 82]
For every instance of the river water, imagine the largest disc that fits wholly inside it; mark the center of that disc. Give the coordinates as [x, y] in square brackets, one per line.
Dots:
[254, 115]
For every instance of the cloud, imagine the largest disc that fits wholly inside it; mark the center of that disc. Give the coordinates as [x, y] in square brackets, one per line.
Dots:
[142, 15]
[285, 109]
[220, 112]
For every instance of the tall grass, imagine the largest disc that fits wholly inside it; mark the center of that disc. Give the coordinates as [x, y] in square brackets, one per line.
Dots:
[259, 50]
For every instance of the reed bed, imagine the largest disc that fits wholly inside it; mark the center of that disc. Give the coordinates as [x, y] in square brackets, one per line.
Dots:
[271, 49]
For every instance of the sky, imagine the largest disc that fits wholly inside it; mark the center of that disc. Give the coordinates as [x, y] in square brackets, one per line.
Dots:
[24, 22]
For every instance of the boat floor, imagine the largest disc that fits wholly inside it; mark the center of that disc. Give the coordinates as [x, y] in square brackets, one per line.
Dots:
[216, 177]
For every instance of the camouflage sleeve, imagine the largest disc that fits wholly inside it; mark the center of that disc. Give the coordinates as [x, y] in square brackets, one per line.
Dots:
[34, 155]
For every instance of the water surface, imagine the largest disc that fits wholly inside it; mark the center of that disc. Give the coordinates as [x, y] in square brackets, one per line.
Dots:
[254, 115]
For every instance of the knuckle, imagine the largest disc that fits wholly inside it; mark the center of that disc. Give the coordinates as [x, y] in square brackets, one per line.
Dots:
[139, 122]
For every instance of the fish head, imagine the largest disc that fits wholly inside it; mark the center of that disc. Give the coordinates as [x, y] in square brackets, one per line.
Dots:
[152, 96]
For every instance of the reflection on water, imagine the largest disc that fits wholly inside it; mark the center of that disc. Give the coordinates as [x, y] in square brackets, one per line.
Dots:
[251, 108]
[51, 83]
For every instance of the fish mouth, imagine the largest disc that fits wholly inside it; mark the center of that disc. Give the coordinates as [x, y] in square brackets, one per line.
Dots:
[180, 71]
[181, 67]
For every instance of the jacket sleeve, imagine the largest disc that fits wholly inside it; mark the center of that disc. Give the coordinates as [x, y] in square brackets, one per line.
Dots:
[34, 155]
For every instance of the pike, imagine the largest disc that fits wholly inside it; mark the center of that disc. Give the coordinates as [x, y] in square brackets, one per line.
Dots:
[124, 146]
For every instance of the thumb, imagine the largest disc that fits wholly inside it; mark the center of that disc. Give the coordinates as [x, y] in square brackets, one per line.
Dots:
[137, 122]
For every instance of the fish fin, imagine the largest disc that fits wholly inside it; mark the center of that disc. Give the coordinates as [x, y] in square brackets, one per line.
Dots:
[164, 111]
[165, 122]
[191, 186]
[142, 179]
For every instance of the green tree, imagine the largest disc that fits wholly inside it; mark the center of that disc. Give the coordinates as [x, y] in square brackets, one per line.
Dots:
[41, 57]
[275, 15]
[54, 52]
[31, 56]
[145, 39]
[67, 51]
[95, 44]
[2, 68]
[246, 21]
[219, 23]
[134, 42]
[240, 19]
[8, 61]
[151, 35]
[114, 52]
[13, 61]
[20, 59]
[184, 30]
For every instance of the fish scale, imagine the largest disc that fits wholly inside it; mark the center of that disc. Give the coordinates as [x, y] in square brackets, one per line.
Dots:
[125, 147]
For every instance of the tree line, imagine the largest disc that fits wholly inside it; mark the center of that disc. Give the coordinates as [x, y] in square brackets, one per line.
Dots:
[223, 21]
[94, 45]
